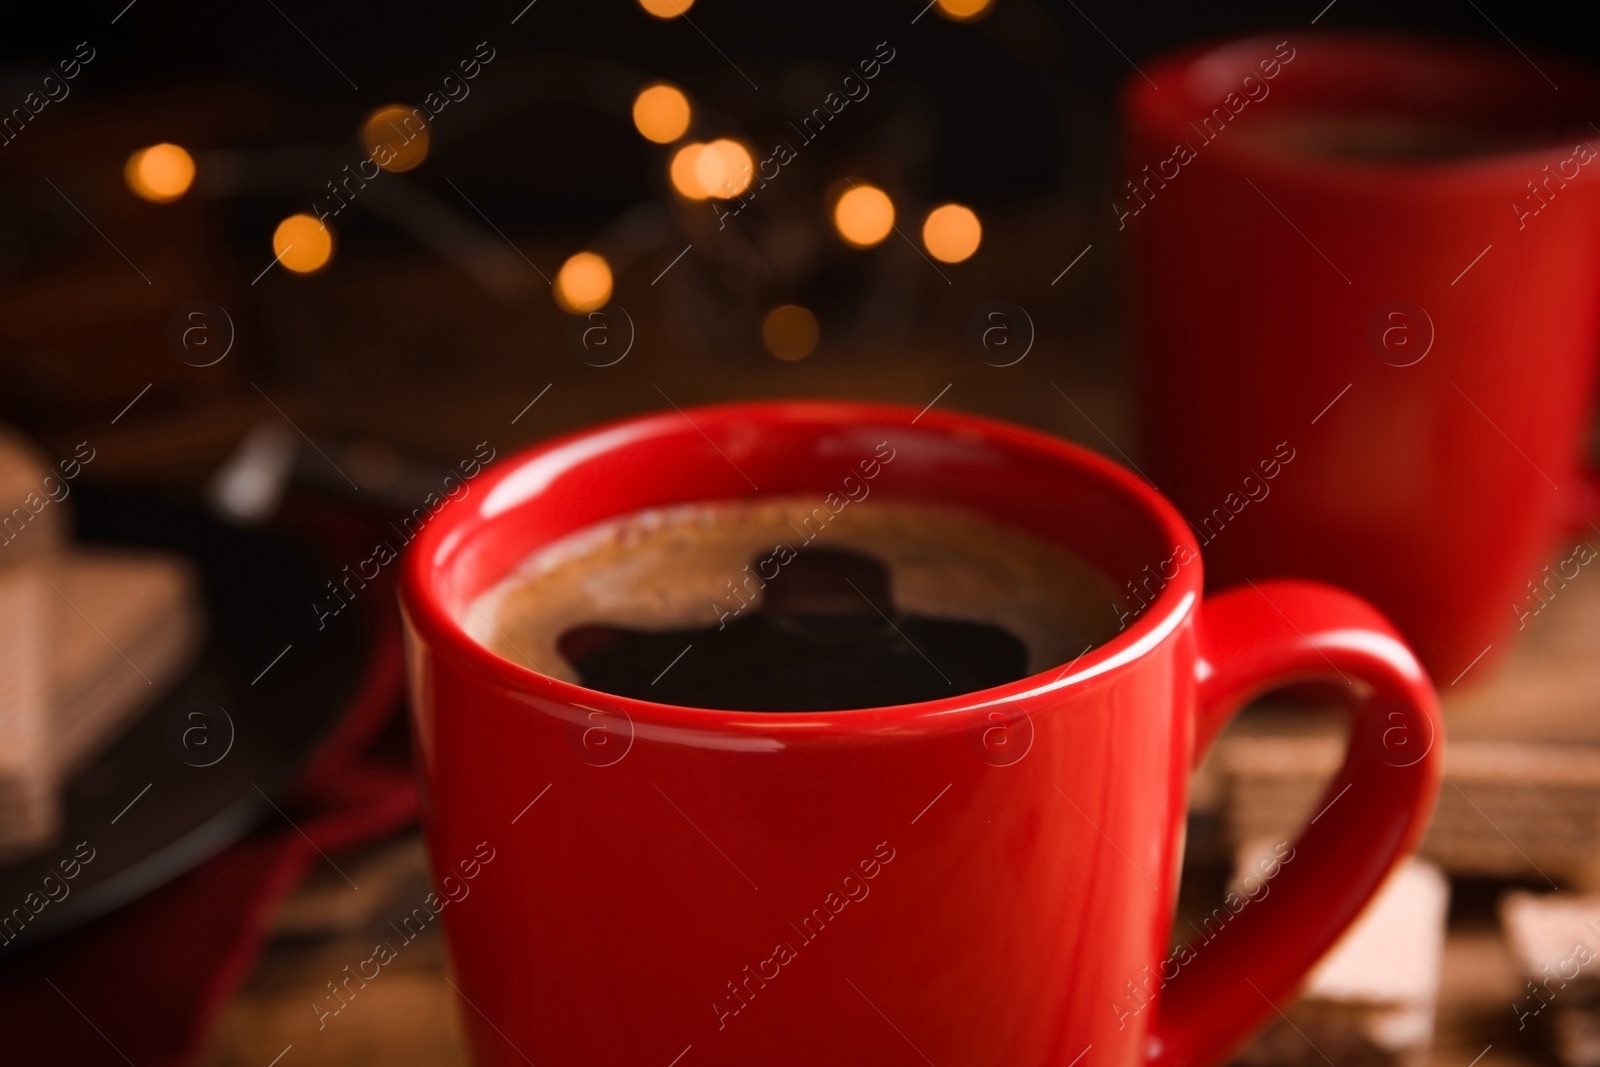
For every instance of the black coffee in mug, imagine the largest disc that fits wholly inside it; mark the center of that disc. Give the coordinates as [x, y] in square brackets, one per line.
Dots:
[781, 604]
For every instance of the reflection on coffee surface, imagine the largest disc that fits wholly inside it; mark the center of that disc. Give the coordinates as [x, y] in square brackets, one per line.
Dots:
[826, 634]
[779, 604]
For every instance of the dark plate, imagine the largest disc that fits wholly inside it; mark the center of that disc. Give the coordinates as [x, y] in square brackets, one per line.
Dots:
[195, 771]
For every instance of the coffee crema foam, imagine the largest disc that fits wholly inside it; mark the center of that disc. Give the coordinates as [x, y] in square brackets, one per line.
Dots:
[685, 566]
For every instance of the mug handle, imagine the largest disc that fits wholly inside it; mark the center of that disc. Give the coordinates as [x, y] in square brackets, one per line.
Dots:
[1374, 811]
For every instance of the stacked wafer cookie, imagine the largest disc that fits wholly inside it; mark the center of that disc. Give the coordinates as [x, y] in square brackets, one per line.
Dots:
[1521, 796]
[1520, 801]
[1372, 998]
[1555, 938]
[1509, 809]
[87, 640]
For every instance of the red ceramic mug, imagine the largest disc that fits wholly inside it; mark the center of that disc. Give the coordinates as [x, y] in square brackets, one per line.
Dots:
[984, 879]
[1365, 278]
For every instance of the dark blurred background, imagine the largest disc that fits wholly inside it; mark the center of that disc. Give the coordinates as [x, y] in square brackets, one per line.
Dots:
[433, 325]
[171, 336]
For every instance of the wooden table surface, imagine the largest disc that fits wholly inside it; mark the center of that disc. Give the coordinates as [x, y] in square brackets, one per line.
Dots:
[408, 1015]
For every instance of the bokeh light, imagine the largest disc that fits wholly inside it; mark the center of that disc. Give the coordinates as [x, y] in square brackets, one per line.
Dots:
[863, 215]
[661, 113]
[790, 332]
[964, 10]
[685, 172]
[160, 173]
[666, 9]
[951, 233]
[302, 244]
[583, 283]
[395, 137]
[724, 169]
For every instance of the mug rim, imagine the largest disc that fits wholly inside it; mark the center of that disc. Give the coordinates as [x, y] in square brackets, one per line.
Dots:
[1153, 112]
[442, 633]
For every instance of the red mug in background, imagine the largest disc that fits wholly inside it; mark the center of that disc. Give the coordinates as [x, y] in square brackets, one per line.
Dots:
[1366, 284]
[986, 879]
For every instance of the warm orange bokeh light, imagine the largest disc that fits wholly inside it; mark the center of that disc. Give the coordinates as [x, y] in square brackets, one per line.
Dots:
[790, 332]
[951, 233]
[685, 172]
[724, 169]
[583, 283]
[666, 9]
[863, 215]
[964, 10]
[395, 137]
[661, 113]
[302, 244]
[161, 173]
